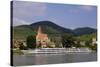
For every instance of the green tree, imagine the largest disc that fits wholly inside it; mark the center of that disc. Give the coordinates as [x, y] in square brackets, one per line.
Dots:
[94, 47]
[22, 47]
[67, 40]
[31, 42]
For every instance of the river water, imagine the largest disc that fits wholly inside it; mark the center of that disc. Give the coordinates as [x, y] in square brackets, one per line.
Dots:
[39, 59]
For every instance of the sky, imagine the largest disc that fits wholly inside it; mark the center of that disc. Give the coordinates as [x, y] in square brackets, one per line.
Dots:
[65, 15]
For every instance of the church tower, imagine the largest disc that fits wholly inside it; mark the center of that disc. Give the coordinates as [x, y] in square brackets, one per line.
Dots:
[39, 30]
[41, 38]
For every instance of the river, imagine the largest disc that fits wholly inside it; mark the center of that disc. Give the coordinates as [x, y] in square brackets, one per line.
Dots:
[40, 59]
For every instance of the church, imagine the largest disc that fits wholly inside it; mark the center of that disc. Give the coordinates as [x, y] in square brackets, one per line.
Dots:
[42, 39]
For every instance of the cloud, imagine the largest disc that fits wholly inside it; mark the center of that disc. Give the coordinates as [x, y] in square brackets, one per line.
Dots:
[73, 10]
[17, 22]
[84, 8]
[87, 8]
[28, 10]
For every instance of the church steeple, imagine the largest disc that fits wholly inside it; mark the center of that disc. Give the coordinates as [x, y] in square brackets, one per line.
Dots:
[39, 30]
[41, 38]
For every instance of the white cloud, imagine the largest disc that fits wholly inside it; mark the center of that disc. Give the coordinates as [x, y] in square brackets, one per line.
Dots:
[87, 8]
[17, 22]
[28, 10]
[73, 10]
[80, 8]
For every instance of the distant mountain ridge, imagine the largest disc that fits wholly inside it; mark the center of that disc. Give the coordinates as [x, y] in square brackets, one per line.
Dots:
[84, 30]
[52, 28]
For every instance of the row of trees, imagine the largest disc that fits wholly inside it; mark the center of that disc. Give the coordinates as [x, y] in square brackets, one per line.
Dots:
[67, 41]
[72, 41]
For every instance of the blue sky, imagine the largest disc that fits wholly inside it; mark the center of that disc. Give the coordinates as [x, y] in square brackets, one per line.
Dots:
[65, 15]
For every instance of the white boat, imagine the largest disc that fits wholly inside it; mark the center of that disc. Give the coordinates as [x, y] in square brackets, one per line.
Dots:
[57, 50]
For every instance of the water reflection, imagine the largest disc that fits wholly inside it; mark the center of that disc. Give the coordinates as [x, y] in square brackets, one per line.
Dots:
[38, 59]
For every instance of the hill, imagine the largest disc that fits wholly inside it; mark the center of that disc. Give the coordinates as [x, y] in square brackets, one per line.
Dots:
[21, 32]
[84, 31]
[49, 28]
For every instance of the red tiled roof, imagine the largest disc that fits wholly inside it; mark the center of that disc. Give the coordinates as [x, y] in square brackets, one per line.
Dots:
[42, 36]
